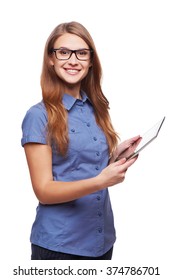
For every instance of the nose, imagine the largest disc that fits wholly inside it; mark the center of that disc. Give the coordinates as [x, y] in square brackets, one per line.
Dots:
[73, 59]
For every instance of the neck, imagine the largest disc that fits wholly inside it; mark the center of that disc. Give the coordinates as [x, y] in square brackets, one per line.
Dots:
[73, 91]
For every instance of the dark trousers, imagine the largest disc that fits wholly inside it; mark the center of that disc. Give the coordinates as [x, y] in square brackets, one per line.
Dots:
[39, 253]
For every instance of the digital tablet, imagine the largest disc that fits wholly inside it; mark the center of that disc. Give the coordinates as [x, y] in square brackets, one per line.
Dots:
[147, 138]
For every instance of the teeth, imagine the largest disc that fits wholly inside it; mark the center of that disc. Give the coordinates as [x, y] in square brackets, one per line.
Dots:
[73, 71]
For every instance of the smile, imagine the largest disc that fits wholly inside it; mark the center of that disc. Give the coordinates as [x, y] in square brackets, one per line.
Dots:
[72, 71]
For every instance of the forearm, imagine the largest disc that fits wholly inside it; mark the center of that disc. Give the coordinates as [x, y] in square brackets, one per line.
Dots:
[48, 191]
[52, 192]
[58, 192]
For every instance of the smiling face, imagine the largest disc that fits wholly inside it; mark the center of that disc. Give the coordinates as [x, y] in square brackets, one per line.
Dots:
[71, 71]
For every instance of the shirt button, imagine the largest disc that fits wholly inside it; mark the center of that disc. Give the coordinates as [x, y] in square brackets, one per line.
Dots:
[98, 197]
[97, 168]
[88, 124]
[99, 214]
[72, 130]
[100, 230]
[95, 138]
[98, 154]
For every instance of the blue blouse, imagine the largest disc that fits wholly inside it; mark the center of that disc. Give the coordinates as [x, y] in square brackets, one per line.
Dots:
[84, 226]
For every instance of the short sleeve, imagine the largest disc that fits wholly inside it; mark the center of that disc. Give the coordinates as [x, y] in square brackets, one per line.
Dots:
[34, 125]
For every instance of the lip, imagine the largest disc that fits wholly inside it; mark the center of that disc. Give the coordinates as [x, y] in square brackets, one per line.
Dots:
[72, 71]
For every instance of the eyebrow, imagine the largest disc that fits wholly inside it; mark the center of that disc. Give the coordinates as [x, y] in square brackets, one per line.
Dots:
[72, 49]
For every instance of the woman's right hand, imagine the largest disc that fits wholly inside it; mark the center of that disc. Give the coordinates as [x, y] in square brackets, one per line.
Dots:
[115, 172]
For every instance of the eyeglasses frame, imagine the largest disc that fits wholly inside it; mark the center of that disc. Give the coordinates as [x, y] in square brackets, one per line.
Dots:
[72, 51]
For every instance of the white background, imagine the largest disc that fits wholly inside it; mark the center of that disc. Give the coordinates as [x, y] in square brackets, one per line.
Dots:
[134, 40]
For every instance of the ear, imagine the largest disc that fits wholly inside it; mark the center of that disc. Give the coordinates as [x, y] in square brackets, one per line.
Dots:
[51, 62]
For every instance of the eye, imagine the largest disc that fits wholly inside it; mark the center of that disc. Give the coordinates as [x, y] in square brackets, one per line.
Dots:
[82, 52]
[64, 52]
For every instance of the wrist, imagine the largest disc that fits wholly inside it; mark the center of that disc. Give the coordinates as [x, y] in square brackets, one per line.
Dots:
[100, 184]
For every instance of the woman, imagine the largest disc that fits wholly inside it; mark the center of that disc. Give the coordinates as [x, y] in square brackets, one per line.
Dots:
[71, 148]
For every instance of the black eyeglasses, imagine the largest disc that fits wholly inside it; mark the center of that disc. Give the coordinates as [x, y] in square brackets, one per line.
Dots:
[65, 54]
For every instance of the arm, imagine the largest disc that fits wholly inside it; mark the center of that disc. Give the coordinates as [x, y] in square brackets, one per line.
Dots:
[39, 159]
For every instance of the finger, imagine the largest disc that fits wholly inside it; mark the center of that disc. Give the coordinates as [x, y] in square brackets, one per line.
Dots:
[132, 141]
[135, 138]
[136, 143]
[120, 161]
[129, 162]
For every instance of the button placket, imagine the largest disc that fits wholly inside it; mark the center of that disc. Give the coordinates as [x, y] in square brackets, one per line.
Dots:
[97, 167]
[99, 215]
[97, 153]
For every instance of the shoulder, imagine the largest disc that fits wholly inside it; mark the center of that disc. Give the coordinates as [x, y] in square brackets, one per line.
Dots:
[34, 124]
[38, 109]
[36, 112]
[35, 117]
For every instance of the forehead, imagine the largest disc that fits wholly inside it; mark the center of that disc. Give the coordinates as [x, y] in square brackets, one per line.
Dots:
[70, 41]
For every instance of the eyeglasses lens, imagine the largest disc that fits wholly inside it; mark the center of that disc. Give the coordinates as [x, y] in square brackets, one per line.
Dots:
[65, 54]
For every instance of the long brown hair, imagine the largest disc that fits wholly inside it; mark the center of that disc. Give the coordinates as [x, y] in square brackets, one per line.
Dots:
[52, 91]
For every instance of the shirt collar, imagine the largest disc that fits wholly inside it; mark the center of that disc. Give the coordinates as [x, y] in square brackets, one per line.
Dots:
[68, 100]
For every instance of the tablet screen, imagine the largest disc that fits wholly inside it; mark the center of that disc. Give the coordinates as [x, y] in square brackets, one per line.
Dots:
[148, 137]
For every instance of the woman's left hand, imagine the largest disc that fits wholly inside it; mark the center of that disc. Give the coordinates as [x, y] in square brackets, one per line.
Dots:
[126, 148]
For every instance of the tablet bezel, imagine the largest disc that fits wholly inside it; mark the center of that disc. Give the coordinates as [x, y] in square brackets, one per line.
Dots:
[154, 136]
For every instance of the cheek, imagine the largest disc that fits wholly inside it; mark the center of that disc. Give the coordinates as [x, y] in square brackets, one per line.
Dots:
[88, 69]
[58, 69]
